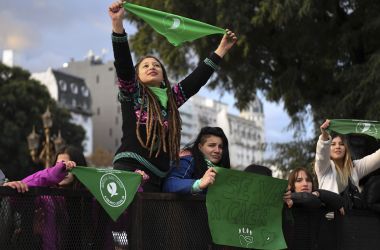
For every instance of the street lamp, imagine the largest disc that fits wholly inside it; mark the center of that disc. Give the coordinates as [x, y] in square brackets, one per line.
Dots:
[47, 153]
[33, 142]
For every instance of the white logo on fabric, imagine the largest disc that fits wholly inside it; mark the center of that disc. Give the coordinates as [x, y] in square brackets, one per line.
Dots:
[366, 128]
[173, 23]
[245, 236]
[113, 190]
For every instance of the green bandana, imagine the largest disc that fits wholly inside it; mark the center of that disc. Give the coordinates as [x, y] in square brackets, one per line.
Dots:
[346, 126]
[176, 29]
[161, 95]
[113, 189]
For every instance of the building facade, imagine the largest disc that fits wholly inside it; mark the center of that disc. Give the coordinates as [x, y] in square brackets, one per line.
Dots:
[71, 93]
[101, 80]
[245, 131]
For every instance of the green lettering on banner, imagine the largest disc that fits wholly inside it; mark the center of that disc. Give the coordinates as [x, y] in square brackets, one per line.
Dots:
[245, 210]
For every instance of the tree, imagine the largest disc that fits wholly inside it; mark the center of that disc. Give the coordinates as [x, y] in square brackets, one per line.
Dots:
[323, 55]
[22, 102]
[291, 155]
[321, 58]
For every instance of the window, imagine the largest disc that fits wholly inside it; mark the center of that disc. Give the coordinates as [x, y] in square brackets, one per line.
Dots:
[97, 79]
[98, 111]
[74, 88]
[116, 120]
[110, 132]
[62, 85]
[85, 91]
[74, 103]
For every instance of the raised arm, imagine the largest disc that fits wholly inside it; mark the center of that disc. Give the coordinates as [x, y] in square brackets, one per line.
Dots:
[123, 59]
[367, 164]
[322, 155]
[202, 73]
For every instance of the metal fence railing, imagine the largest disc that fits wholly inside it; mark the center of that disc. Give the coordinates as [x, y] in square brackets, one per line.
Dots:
[49, 218]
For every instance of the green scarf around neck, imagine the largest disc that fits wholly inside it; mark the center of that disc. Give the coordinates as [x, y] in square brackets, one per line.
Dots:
[161, 94]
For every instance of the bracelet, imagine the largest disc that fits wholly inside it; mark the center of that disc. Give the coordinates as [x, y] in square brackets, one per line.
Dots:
[195, 188]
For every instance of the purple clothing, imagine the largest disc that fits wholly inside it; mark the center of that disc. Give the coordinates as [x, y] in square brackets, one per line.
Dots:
[47, 206]
[47, 177]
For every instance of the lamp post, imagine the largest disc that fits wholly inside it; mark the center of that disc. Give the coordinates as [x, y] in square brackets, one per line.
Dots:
[47, 153]
[33, 142]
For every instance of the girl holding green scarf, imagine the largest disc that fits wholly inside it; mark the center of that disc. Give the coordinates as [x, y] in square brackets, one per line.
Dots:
[149, 104]
[195, 172]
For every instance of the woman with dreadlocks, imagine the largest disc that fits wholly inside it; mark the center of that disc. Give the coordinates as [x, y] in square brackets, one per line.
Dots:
[151, 121]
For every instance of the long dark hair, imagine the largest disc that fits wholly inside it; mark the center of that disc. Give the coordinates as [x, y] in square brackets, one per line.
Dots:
[199, 160]
[155, 128]
[75, 155]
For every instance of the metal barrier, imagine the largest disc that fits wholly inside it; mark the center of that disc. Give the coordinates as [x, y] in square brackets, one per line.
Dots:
[48, 218]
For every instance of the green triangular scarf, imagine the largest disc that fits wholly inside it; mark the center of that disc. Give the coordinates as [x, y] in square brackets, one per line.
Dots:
[176, 29]
[346, 126]
[113, 189]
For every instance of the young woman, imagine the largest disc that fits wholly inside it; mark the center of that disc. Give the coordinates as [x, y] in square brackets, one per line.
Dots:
[53, 213]
[334, 166]
[305, 223]
[151, 123]
[57, 175]
[195, 171]
[302, 192]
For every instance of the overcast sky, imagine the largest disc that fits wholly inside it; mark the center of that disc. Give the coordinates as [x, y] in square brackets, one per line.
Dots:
[47, 33]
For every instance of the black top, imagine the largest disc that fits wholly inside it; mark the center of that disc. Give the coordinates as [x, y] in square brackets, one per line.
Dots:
[329, 199]
[130, 99]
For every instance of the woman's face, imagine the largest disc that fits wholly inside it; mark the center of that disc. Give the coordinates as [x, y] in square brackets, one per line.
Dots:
[150, 72]
[69, 177]
[302, 183]
[212, 148]
[337, 149]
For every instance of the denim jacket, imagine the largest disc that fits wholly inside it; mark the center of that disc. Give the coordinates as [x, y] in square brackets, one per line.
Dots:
[181, 178]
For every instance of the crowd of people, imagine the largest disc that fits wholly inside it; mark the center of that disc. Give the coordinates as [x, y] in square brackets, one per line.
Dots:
[151, 129]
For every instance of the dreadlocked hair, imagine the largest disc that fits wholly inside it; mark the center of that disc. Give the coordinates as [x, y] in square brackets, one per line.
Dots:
[158, 138]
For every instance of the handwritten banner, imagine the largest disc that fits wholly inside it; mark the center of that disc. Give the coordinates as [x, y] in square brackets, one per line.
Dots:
[245, 210]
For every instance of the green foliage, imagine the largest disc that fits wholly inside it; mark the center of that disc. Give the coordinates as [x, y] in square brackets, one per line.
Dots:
[318, 57]
[292, 155]
[22, 102]
[322, 54]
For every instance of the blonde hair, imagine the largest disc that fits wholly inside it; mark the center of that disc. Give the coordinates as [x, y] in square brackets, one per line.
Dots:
[345, 171]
